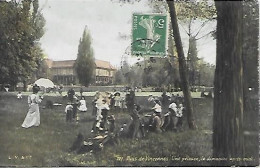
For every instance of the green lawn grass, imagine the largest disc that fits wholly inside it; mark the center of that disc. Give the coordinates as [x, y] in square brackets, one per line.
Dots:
[48, 144]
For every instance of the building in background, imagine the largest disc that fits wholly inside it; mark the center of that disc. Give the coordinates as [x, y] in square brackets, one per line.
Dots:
[63, 72]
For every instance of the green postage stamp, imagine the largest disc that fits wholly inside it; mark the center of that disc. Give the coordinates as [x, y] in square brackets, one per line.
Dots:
[149, 34]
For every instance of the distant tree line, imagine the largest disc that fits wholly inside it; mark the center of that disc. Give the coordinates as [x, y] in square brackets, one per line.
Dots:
[164, 73]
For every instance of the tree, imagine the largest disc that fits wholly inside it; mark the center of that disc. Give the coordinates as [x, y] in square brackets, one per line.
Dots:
[193, 17]
[182, 66]
[228, 137]
[20, 32]
[250, 55]
[85, 62]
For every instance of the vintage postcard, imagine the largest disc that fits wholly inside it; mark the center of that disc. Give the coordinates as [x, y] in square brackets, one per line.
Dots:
[129, 83]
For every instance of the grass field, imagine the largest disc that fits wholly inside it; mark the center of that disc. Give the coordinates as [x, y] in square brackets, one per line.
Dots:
[48, 144]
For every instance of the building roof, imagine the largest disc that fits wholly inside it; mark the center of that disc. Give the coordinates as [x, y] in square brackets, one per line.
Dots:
[63, 64]
[104, 64]
[70, 63]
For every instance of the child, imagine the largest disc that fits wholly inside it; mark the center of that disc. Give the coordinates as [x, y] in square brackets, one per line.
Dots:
[101, 115]
[104, 112]
[117, 100]
[19, 95]
[179, 115]
[82, 105]
[69, 112]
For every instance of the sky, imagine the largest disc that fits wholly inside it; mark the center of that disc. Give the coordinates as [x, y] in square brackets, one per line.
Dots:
[109, 24]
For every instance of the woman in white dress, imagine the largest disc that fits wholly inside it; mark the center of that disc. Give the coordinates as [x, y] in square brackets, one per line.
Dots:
[33, 116]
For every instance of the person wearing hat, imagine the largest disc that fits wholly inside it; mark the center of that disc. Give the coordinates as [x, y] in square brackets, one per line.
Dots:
[170, 119]
[33, 116]
[71, 94]
[117, 99]
[156, 119]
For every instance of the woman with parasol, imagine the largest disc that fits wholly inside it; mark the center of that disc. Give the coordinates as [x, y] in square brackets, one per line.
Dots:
[33, 116]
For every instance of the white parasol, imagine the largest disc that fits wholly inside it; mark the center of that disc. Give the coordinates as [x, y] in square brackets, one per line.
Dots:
[42, 82]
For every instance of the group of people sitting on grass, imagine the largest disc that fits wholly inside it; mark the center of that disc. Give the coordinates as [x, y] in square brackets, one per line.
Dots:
[163, 119]
[142, 122]
[103, 103]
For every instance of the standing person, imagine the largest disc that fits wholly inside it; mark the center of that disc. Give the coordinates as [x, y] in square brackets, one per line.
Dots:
[136, 127]
[123, 104]
[82, 105]
[130, 101]
[71, 94]
[104, 112]
[112, 101]
[81, 92]
[69, 111]
[75, 107]
[173, 98]
[117, 100]
[94, 103]
[98, 105]
[94, 110]
[179, 115]
[60, 90]
[33, 116]
[165, 101]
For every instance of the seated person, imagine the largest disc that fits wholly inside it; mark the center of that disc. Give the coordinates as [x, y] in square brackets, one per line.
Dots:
[19, 95]
[82, 105]
[170, 119]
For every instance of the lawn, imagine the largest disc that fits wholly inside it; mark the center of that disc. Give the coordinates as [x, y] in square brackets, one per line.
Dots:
[48, 144]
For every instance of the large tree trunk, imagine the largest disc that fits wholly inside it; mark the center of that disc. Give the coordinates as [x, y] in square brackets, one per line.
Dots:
[182, 66]
[251, 97]
[228, 139]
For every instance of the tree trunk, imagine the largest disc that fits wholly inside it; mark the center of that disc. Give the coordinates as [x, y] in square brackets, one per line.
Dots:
[228, 139]
[182, 66]
[251, 78]
[25, 85]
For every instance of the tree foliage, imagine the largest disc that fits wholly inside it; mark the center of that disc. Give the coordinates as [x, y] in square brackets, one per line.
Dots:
[154, 72]
[193, 18]
[21, 27]
[85, 62]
